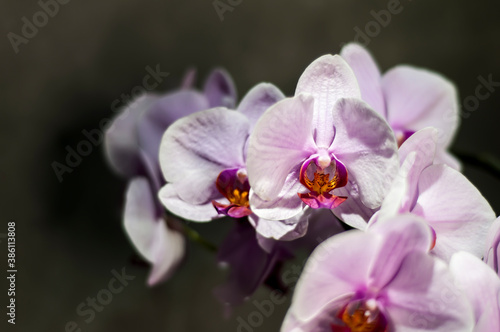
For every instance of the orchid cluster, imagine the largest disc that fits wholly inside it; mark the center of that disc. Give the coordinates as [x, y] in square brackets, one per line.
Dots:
[355, 158]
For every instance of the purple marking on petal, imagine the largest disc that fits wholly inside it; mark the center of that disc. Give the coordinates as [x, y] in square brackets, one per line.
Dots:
[326, 201]
[239, 211]
[232, 210]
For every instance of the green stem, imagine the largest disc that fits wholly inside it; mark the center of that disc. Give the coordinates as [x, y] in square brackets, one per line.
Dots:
[196, 237]
[485, 161]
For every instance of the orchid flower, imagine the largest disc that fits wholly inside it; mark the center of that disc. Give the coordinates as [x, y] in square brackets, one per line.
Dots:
[323, 148]
[132, 143]
[455, 210]
[409, 98]
[385, 281]
[482, 287]
[203, 159]
[492, 255]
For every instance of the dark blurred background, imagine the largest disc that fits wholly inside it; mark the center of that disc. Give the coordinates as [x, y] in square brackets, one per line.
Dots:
[63, 80]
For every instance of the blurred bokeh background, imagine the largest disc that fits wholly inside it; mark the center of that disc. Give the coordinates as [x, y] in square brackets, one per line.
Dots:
[64, 78]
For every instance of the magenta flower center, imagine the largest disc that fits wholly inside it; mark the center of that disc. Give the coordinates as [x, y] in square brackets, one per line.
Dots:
[360, 316]
[321, 175]
[233, 185]
[402, 136]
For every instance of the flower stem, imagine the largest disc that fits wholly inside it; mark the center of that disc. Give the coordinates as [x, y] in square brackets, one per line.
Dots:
[485, 161]
[196, 237]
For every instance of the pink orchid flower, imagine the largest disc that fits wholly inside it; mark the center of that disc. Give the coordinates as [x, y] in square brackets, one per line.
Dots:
[131, 145]
[376, 281]
[409, 98]
[455, 210]
[323, 148]
[203, 159]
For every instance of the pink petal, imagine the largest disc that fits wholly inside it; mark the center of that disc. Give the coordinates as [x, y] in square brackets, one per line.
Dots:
[195, 212]
[366, 145]
[404, 234]
[220, 90]
[367, 74]
[121, 140]
[482, 287]
[162, 114]
[416, 153]
[337, 268]
[327, 79]
[284, 230]
[258, 100]
[444, 157]
[390, 264]
[423, 297]
[167, 254]
[286, 205]
[281, 140]
[456, 210]
[196, 148]
[352, 212]
[418, 98]
[423, 145]
[158, 244]
[320, 323]
[398, 199]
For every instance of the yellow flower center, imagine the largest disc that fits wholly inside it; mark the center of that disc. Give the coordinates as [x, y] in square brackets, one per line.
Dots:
[322, 183]
[359, 321]
[360, 316]
[238, 197]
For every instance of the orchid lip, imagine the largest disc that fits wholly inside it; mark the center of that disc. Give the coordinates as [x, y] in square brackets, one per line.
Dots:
[233, 185]
[321, 174]
[360, 316]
